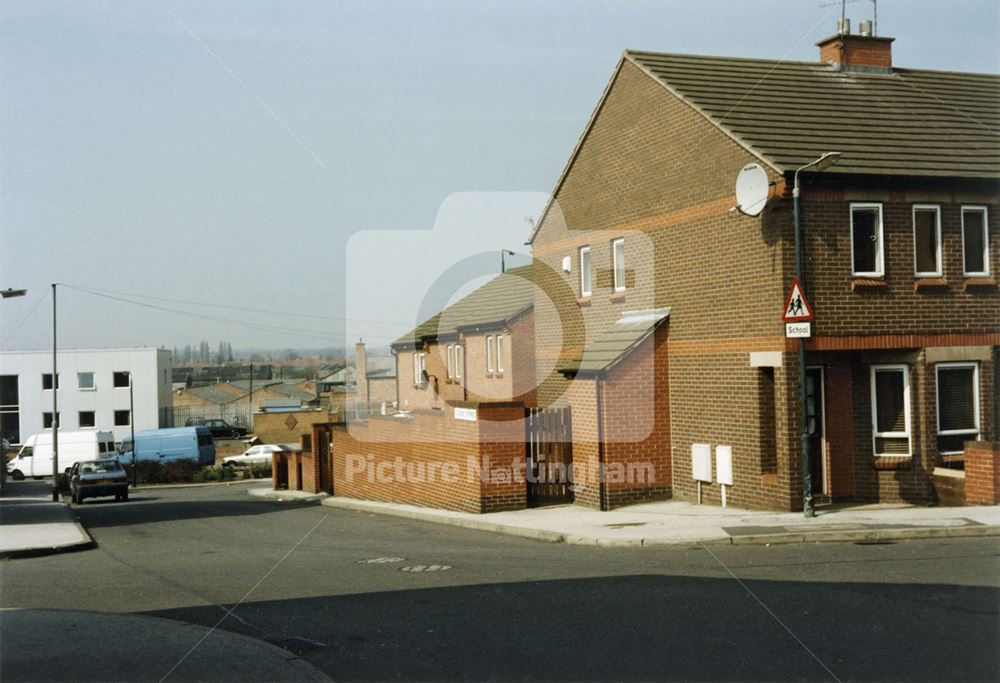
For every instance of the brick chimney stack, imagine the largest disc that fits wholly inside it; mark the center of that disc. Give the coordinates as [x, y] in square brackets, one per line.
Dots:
[361, 372]
[861, 52]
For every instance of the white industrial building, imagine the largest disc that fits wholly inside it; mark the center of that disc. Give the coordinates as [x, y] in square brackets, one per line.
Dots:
[93, 391]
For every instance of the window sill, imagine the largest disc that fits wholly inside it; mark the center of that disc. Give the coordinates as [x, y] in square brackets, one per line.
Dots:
[929, 283]
[980, 283]
[892, 462]
[583, 301]
[868, 284]
[617, 297]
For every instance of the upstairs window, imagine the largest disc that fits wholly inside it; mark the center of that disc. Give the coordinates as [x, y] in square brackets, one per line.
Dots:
[586, 281]
[926, 240]
[618, 254]
[418, 368]
[975, 242]
[451, 361]
[957, 406]
[47, 381]
[500, 352]
[890, 389]
[121, 379]
[866, 240]
[85, 381]
[87, 418]
[489, 354]
[459, 361]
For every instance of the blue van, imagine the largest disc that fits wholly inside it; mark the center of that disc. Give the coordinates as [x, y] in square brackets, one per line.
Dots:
[167, 445]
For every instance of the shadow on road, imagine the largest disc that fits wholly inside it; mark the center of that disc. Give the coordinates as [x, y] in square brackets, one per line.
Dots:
[642, 627]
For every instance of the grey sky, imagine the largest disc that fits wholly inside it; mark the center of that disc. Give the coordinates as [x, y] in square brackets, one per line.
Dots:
[243, 153]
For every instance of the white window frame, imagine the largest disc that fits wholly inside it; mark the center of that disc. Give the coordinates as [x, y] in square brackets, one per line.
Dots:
[500, 352]
[489, 354]
[451, 361]
[79, 419]
[985, 272]
[418, 368]
[908, 433]
[459, 361]
[615, 244]
[93, 381]
[937, 272]
[975, 400]
[880, 252]
[586, 276]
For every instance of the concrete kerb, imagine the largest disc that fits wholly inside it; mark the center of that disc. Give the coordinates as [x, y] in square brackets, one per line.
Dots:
[284, 496]
[87, 542]
[783, 537]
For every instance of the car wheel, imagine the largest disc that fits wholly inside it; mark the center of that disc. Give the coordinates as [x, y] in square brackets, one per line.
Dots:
[236, 434]
[17, 475]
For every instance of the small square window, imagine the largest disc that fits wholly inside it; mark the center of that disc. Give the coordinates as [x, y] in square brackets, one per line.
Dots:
[975, 242]
[87, 418]
[123, 418]
[121, 379]
[47, 420]
[47, 381]
[866, 240]
[85, 381]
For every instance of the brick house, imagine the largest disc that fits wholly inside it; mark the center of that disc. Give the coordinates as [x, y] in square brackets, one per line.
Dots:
[481, 348]
[658, 308]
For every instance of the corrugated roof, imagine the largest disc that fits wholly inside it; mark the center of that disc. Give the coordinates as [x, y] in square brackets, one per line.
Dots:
[907, 122]
[499, 300]
[617, 341]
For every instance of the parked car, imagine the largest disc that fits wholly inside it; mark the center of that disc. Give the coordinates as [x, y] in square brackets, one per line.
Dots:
[96, 478]
[254, 455]
[220, 429]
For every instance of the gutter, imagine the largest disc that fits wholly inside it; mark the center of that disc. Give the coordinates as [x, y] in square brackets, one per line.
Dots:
[601, 490]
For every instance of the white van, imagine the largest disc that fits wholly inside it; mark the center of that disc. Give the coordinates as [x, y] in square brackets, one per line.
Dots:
[35, 457]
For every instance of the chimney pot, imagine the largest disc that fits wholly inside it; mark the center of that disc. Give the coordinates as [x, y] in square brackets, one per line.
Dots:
[865, 28]
[844, 27]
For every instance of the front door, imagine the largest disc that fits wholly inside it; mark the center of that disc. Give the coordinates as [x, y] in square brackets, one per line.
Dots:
[817, 432]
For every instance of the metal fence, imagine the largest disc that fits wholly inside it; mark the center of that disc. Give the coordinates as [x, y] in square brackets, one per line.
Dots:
[238, 416]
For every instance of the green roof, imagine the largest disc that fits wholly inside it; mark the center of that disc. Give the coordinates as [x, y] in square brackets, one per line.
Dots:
[898, 122]
[498, 301]
[617, 341]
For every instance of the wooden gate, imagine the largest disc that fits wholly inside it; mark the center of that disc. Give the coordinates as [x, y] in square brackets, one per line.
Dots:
[322, 438]
[549, 439]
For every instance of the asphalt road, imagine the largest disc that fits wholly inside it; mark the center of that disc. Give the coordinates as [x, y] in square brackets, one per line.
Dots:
[367, 597]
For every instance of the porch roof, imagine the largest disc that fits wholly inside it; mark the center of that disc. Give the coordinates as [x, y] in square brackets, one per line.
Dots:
[617, 341]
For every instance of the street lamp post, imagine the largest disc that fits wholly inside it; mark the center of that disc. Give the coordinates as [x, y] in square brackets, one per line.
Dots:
[823, 162]
[55, 406]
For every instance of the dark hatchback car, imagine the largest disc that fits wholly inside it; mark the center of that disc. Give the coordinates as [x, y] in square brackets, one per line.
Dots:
[220, 429]
[96, 478]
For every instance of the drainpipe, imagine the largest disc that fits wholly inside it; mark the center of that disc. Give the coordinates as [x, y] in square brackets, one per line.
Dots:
[601, 493]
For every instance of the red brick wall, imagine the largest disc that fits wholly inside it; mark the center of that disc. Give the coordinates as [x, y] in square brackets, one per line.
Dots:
[637, 424]
[440, 460]
[982, 473]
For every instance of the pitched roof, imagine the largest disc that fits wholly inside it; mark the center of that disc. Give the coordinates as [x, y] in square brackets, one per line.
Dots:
[501, 299]
[216, 393]
[905, 122]
[617, 341]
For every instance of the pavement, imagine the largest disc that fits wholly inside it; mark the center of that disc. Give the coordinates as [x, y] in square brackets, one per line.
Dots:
[681, 523]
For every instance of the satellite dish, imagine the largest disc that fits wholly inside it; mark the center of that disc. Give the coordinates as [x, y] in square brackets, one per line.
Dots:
[752, 188]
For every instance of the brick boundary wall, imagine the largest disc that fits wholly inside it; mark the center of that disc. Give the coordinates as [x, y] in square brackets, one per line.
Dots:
[435, 460]
[982, 472]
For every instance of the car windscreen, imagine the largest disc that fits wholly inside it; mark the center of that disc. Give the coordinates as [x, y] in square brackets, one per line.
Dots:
[101, 467]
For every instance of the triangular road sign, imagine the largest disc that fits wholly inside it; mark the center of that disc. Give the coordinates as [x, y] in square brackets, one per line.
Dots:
[797, 309]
